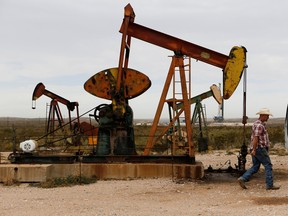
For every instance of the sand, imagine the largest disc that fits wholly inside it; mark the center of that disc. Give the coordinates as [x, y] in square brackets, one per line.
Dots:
[215, 194]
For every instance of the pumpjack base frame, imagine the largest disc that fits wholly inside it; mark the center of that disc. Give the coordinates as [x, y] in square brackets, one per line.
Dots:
[179, 159]
[29, 158]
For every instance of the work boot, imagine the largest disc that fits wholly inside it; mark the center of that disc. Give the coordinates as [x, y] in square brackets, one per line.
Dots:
[241, 183]
[273, 188]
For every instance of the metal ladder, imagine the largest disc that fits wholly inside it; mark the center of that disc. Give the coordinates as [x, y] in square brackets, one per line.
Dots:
[178, 138]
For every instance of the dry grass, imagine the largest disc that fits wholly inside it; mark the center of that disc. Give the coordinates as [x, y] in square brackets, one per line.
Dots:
[16, 130]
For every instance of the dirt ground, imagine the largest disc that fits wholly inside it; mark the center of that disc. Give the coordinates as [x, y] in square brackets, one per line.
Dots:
[215, 194]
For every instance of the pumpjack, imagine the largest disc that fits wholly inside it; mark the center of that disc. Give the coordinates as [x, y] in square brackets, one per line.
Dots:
[197, 117]
[55, 114]
[59, 135]
[120, 84]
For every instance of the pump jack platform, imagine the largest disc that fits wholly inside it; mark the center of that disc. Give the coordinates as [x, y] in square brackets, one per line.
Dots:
[116, 136]
[119, 92]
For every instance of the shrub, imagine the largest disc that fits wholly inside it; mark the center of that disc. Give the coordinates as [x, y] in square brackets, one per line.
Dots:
[67, 181]
[219, 137]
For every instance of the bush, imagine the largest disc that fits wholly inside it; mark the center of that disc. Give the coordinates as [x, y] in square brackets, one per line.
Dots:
[219, 137]
[67, 181]
[227, 137]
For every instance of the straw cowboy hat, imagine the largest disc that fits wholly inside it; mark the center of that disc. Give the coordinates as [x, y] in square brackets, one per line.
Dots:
[264, 111]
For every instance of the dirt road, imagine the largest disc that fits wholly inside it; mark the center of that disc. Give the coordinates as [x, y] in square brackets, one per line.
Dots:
[216, 194]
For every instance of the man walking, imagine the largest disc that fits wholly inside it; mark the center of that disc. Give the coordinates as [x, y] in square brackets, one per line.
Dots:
[259, 149]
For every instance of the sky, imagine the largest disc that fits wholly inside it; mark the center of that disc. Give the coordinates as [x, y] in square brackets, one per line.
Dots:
[62, 43]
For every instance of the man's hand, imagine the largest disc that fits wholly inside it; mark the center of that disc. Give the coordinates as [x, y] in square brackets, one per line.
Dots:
[253, 152]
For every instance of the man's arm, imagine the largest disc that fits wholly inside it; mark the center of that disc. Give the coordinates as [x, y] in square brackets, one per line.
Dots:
[255, 143]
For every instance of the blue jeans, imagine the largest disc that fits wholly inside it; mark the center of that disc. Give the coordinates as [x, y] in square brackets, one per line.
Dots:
[261, 157]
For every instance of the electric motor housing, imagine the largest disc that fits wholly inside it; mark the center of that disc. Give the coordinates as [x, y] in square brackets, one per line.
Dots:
[28, 146]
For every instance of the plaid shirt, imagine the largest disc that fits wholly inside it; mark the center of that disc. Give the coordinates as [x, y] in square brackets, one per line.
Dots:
[259, 130]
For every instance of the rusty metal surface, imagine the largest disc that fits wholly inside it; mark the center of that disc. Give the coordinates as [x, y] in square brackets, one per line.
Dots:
[177, 45]
[150, 141]
[179, 63]
[187, 108]
[40, 90]
[232, 65]
[103, 84]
